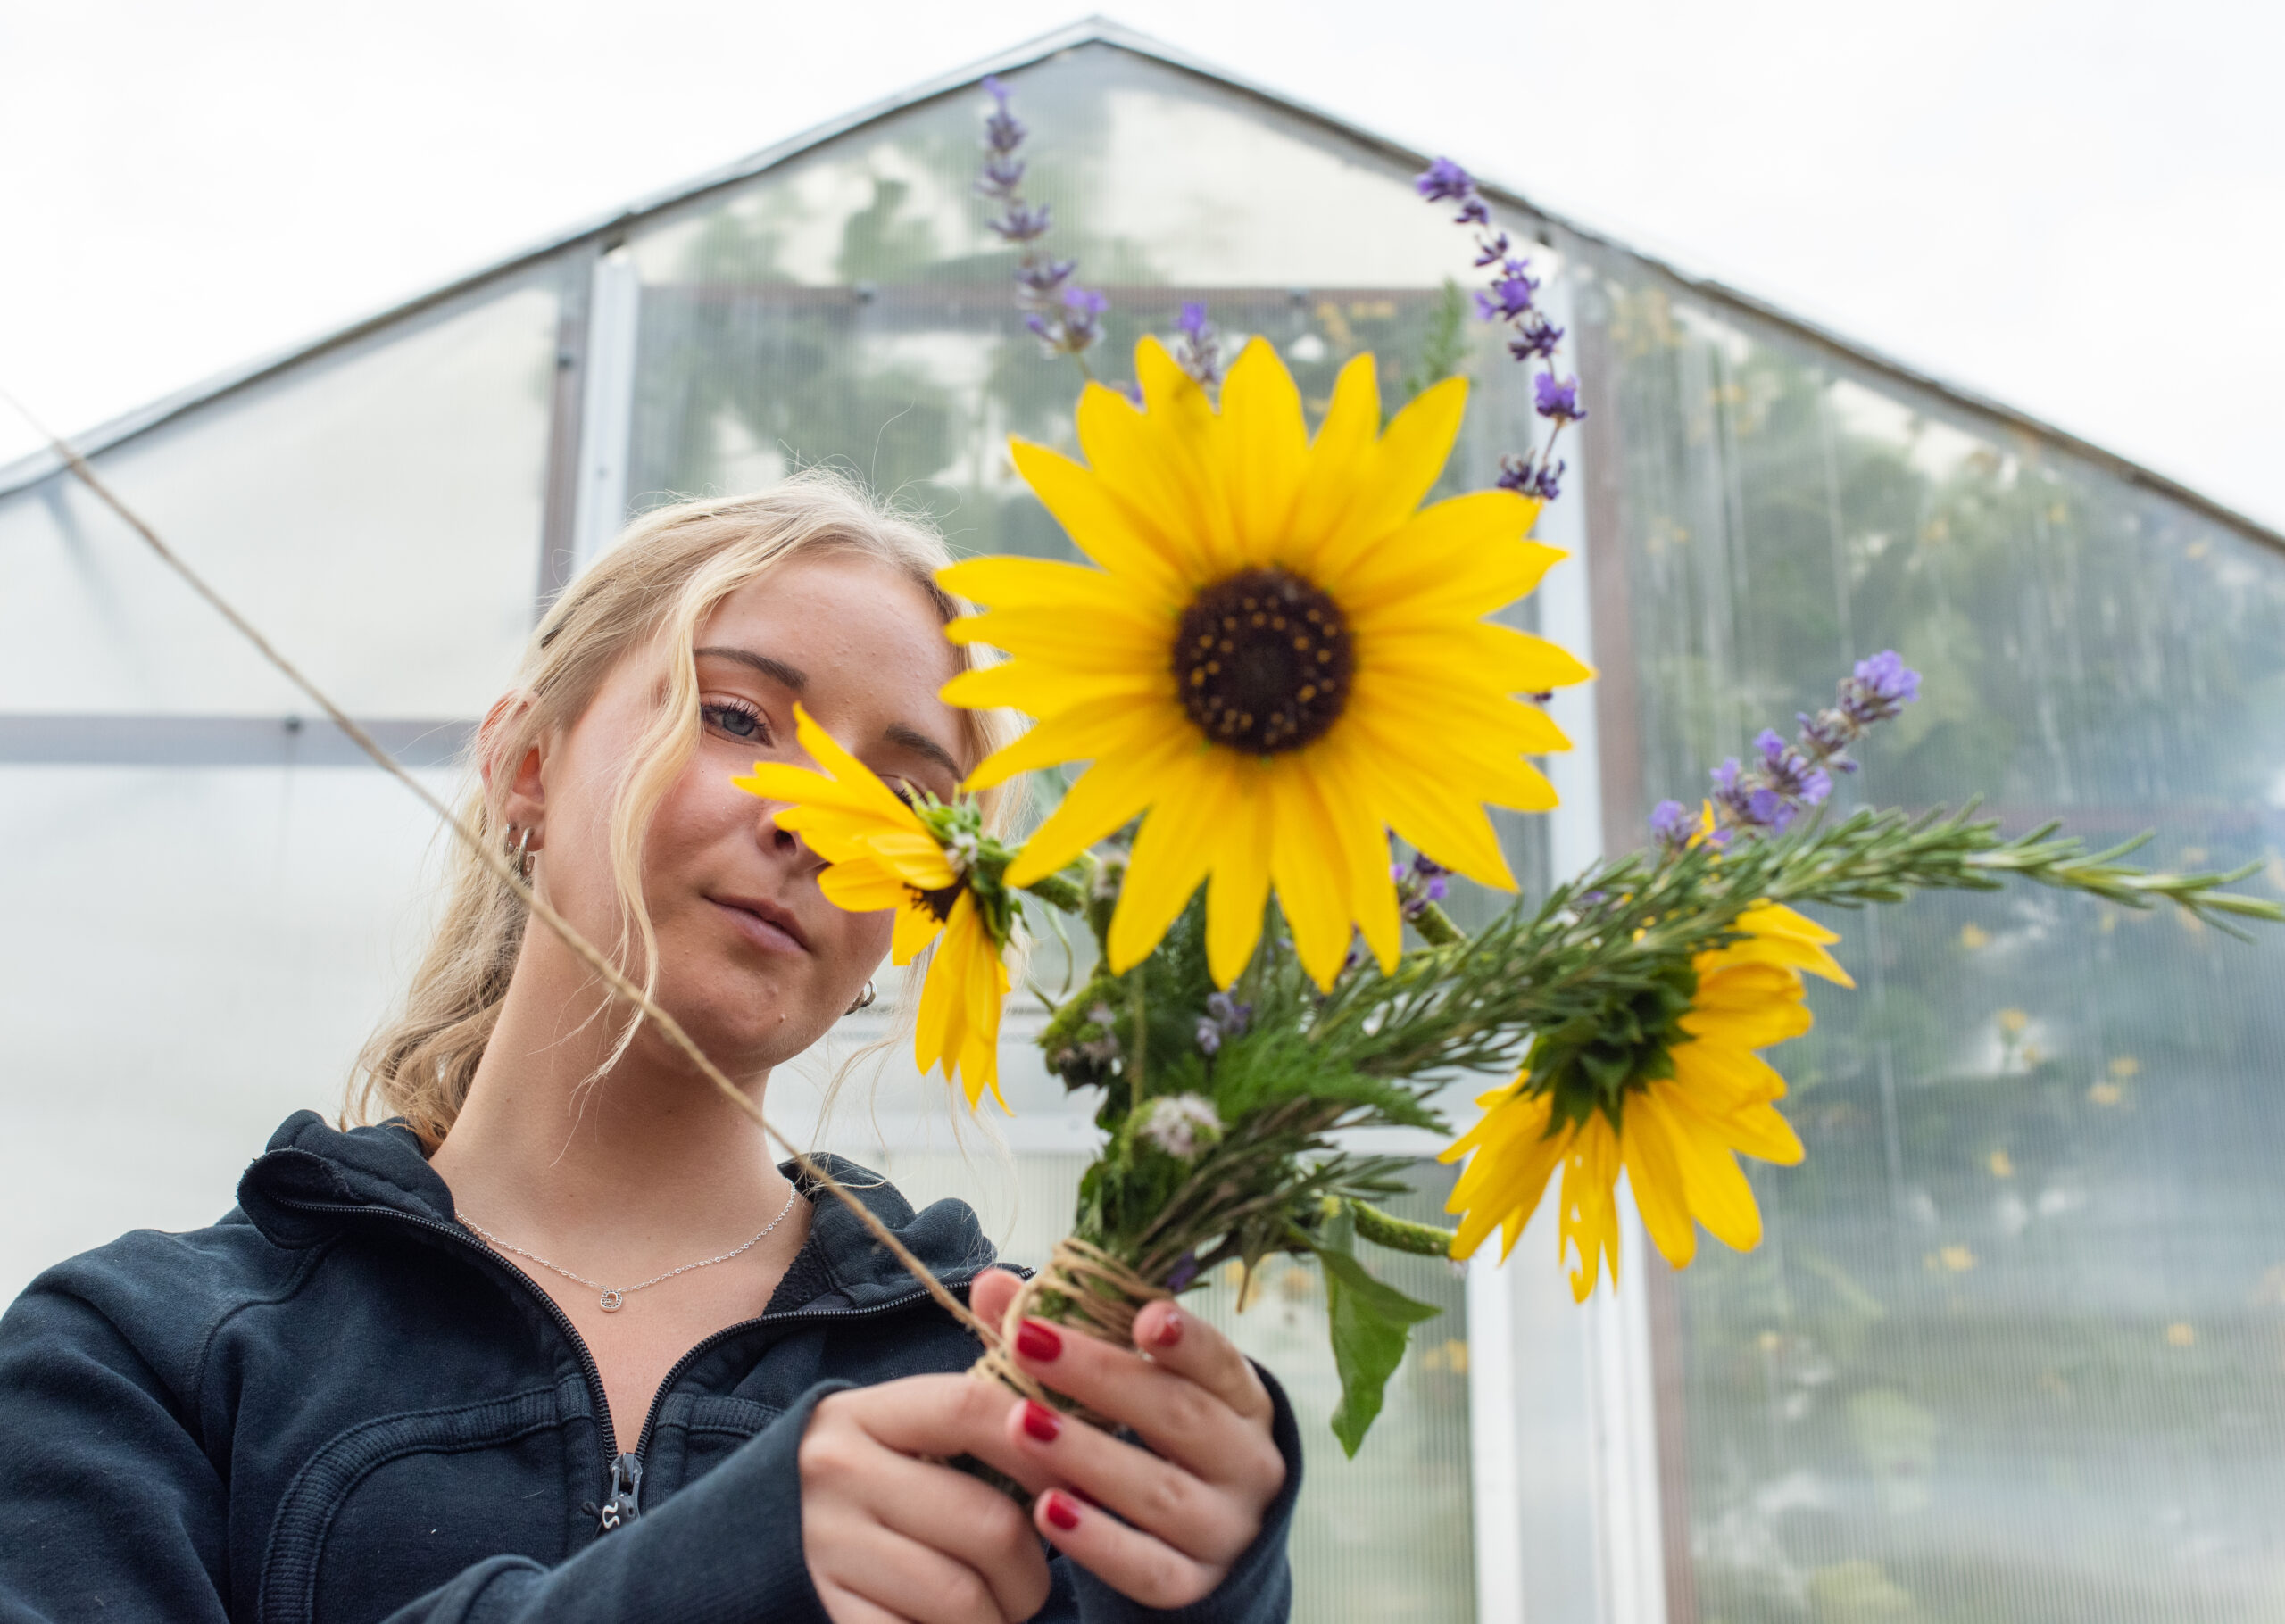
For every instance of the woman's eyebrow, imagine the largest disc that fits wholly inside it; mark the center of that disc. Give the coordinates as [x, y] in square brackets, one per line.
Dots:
[920, 743]
[776, 670]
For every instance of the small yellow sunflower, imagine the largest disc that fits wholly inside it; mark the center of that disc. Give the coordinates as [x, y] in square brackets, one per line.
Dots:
[1675, 1135]
[881, 854]
[1281, 656]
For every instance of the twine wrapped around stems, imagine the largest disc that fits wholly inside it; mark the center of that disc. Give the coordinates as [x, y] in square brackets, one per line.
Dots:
[1083, 1286]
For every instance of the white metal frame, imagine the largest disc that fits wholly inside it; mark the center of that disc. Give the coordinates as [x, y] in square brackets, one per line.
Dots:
[607, 411]
[1527, 1364]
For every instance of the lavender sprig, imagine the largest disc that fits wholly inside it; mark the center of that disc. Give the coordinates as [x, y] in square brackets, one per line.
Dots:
[1064, 317]
[1786, 778]
[1199, 351]
[1420, 884]
[1531, 336]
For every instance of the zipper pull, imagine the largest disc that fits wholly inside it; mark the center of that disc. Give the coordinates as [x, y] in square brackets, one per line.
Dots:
[623, 1489]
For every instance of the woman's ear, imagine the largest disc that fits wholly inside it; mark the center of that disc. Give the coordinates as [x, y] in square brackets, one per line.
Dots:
[516, 787]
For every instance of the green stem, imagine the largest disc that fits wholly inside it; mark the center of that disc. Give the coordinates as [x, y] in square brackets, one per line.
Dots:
[1436, 927]
[1401, 1234]
[1060, 892]
[1139, 1017]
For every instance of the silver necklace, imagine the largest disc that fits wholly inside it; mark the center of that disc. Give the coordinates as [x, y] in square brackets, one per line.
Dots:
[614, 1298]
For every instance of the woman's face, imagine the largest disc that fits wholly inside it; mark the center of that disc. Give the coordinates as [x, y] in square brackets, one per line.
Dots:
[753, 960]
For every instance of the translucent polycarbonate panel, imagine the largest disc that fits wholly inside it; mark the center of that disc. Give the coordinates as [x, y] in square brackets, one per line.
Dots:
[1385, 1536]
[850, 308]
[192, 954]
[2010, 1350]
[375, 510]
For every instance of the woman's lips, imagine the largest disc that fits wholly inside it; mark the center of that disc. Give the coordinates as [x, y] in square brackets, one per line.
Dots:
[765, 924]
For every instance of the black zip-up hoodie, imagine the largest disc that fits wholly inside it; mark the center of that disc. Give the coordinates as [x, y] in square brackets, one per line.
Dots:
[334, 1406]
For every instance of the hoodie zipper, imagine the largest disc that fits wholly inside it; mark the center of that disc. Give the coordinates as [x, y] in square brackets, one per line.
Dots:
[622, 1472]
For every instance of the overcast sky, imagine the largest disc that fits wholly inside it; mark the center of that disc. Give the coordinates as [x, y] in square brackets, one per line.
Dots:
[2078, 208]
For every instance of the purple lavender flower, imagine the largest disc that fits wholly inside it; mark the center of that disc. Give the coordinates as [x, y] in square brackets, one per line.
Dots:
[1535, 338]
[1672, 823]
[1041, 277]
[1420, 882]
[1001, 176]
[1083, 309]
[1510, 298]
[1186, 1271]
[1225, 1018]
[1444, 180]
[1199, 351]
[1790, 773]
[1472, 212]
[1526, 477]
[1002, 129]
[1881, 686]
[1825, 736]
[1558, 400]
[1490, 251]
[1023, 222]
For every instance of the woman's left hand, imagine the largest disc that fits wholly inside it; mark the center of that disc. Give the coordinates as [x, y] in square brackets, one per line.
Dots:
[1184, 1513]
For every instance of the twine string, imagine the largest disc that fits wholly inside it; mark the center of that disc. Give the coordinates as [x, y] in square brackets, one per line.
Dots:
[612, 977]
[1101, 1295]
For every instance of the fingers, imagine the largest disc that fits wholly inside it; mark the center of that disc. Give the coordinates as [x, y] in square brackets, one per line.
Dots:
[891, 1576]
[947, 1510]
[990, 1293]
[1127, 1560]
[1198, 1519]
[938, 1416]
[1189, 1346]
[1192, 1425]
[890, 1537]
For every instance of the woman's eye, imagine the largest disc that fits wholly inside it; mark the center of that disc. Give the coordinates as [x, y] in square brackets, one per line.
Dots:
[739, 721]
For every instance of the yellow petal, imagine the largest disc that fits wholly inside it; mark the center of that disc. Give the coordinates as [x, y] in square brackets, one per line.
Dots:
[1237, 895]
[1015, 583]
[1153, 470]
[915, 928]
[1043, 690]
[1589, 1224]
[1372, 899]
[1265, 440]
[1336, 464]
[1105, 797]
[1098, 520]
[1405, 465]
[1655, 1174]
[1088, 730]
[1179, 841]
[1305, 863]
[1452, 536]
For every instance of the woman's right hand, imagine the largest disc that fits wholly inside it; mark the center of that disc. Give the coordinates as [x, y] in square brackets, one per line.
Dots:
[890, 1539]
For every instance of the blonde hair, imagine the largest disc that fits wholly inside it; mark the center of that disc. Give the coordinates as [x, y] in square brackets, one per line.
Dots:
[667, 573]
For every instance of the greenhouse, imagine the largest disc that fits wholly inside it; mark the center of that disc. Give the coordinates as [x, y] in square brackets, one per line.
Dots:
[2009, 1350]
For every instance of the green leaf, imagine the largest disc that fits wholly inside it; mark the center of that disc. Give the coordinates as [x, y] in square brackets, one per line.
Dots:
[1371, 1323]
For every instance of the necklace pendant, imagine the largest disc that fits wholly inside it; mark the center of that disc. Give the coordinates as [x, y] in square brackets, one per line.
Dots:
[613, 1302]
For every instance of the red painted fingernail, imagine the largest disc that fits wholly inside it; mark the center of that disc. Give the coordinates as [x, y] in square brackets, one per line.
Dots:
[1061, 1512]
[1169, 1328]
[1041, 1422]
[1036, 1339]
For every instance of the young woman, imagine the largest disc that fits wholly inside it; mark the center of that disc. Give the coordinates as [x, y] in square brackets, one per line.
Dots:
[559, 1341]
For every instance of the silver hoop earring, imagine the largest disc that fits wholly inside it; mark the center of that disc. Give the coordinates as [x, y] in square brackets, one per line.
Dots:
[864, 1000]
[522, 855]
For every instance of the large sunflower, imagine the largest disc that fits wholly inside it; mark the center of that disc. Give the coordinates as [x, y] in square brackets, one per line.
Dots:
[881, 854]
[1281, 658]
[1673, 1128]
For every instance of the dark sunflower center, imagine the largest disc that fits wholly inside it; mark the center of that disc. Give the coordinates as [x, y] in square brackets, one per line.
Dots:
[1264, 660]
[940, 902]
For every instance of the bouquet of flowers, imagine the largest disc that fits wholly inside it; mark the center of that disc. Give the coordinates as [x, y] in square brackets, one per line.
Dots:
[1294, 707]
